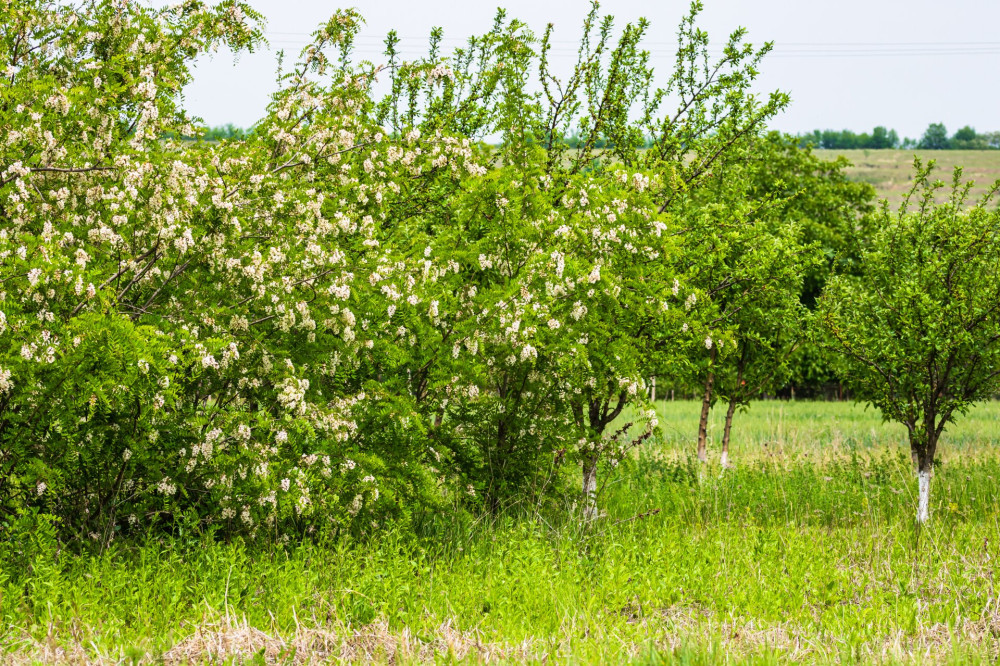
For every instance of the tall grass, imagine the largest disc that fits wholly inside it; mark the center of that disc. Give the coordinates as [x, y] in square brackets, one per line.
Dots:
[807, 550]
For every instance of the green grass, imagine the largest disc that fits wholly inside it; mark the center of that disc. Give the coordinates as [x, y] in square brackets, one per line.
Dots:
[890, 172]
[805, 551]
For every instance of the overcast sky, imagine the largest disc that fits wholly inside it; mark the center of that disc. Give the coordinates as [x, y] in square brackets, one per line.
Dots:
[847, 64]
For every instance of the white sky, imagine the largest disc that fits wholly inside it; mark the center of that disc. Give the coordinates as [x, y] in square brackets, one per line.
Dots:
[846, 63]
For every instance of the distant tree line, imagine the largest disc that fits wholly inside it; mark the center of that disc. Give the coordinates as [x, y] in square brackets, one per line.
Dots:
[935, 137]
[227, 132]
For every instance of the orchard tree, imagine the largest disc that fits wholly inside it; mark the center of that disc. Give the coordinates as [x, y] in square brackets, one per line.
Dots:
[802, 213]
[767, 329]
[815, 195]
[746, 254]
[918, 323]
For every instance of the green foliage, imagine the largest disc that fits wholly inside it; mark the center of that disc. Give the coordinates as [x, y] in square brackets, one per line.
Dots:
[918, 323]
[935, 137]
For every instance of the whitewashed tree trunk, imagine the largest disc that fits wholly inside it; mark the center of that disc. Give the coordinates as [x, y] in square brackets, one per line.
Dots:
[923, 503]
[706, 407]
[589, 490]
[727, 431]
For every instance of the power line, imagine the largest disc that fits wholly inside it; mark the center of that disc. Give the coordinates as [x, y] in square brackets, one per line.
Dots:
[416, 52]
[659, 45]
[823, 50]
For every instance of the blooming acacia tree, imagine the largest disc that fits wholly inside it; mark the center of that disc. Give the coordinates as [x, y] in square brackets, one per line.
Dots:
[88, 91]
[187, 324]
[574, 252]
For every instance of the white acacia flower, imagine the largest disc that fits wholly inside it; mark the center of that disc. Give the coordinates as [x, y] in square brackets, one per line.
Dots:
[355, 506]
[560, 260]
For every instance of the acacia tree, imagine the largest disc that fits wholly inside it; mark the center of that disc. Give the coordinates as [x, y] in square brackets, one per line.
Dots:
[187, 326]
[918, 324]
[602, 218]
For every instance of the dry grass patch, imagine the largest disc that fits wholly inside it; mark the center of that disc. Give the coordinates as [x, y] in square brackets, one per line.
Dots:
[667, 631]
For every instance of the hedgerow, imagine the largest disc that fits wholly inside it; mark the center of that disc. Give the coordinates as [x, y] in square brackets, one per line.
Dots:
[402, 291]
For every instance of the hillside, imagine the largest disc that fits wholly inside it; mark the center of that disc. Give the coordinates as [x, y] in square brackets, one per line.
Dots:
[891, 171]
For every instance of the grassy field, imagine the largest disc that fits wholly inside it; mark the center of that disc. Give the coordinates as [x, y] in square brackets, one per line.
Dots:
[806, 551]
[891, 171]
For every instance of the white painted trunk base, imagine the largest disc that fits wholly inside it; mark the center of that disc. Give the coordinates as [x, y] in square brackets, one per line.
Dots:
[923, 506]
[725, 459]
[589, 492]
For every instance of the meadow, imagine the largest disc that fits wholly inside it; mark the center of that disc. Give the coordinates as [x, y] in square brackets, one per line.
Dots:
[890, 172]
[354, 387]
[806, 551]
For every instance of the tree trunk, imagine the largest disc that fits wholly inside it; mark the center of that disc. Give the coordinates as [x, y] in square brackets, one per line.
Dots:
[652, 390]
[923, 447]
[706, 406]
[725, 433]
[923, 503]
[589, 489]
[737, 391]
